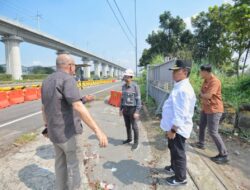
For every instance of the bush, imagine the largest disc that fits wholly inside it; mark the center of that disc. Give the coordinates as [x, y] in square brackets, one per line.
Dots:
[235, 92]
[34, 76]
[5, 77]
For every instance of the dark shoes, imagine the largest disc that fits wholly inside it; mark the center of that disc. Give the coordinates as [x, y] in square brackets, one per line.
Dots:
[169, 170]
[174, 182]
[198, 145]
[219, 159]
[126, 141]
[135, 146]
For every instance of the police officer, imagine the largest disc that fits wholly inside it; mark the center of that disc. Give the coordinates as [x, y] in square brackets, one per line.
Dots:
[130, 107]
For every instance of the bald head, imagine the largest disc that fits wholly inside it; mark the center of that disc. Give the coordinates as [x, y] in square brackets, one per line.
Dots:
[65, 62]
[63, 59]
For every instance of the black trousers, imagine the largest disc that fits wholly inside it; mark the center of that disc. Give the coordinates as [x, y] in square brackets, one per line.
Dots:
[128, 115]
[178, 156]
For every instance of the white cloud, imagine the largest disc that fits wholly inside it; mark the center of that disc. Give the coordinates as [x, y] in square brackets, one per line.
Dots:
[228, 1]
[188, 23]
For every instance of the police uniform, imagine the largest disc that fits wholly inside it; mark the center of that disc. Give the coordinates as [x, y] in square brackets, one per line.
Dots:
[130, 104]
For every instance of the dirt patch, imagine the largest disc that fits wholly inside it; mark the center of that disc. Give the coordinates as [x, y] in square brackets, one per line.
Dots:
[155, 135]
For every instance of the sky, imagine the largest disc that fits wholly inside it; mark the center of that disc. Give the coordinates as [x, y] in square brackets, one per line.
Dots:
[91, 25]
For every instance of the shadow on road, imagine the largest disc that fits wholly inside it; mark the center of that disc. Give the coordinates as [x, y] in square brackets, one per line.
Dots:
[160, 143]
[129, 171]
[46, 152]
[35, 177]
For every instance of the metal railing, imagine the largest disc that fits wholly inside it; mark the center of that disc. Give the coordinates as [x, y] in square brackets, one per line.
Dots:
[159, 83]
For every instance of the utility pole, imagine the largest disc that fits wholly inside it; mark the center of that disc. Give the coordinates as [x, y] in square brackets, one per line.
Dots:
[135, 42]
[38, 18]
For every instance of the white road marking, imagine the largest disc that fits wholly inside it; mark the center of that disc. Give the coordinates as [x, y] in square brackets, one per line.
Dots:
[20, 119]
[105, 89]
[33, 114]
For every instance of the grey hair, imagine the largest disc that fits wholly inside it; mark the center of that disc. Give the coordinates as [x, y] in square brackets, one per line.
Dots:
[63, 59]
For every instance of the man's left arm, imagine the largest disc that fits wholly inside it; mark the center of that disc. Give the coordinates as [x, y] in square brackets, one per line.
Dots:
[180, 108]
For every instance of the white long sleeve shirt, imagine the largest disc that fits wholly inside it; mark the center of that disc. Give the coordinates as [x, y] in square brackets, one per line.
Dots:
[178, 109]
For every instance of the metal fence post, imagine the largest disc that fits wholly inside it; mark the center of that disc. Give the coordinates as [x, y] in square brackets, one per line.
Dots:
[147, 83]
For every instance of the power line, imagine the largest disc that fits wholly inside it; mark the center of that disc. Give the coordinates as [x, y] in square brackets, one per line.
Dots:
[123, 19]
[119, 23]
[136, 63]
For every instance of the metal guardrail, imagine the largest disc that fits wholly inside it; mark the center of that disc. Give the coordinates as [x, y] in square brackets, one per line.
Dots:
[159, 83]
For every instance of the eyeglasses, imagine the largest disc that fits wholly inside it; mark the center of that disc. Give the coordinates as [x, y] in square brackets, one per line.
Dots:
[72, 64]
[126, 76]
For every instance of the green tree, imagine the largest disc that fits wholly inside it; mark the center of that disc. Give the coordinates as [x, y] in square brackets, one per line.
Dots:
[210, 44]
[238, 26]
[220, 33]
[42, 70]
[167, 40]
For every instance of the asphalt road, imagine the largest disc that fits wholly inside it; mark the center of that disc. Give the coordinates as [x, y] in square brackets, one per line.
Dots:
[23, 118]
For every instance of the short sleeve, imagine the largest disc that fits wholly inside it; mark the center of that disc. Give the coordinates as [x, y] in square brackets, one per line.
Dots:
[70, 91]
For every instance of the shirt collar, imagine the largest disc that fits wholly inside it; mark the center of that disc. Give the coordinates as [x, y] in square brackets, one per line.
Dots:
[128, 85]
[180, 83]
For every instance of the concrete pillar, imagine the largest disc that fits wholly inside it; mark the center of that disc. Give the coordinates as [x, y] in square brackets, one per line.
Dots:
[87, 72]
[97, 68]
[86, 62]
[12, 56]
[119, 73]
[104, 69]
[114, 69]
[111, 71]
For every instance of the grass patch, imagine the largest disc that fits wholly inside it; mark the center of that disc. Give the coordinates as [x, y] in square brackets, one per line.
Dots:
[245, 134]
[25, 138]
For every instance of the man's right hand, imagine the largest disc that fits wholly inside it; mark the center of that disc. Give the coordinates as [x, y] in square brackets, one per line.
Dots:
[90, 122]
[103, 140]
[89, 98]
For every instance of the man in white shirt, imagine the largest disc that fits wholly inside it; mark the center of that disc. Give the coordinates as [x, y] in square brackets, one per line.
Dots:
[177, 113]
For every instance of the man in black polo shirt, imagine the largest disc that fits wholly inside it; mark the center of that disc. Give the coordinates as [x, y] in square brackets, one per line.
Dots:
[62, 113]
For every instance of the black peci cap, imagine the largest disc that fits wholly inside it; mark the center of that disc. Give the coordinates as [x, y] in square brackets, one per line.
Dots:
[179, 64]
